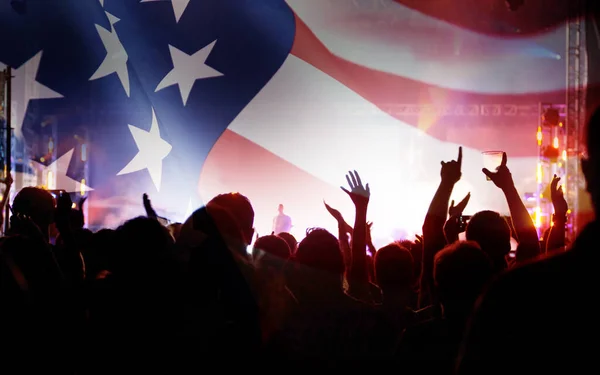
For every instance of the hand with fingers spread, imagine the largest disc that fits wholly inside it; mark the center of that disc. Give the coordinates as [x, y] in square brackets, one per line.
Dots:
[358, 193]
[558, 198]
[451, 171]
[502, 177]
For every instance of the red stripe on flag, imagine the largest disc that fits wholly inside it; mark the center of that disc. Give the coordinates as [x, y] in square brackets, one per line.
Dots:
[236, 164]
[493, 17]
[386, 90]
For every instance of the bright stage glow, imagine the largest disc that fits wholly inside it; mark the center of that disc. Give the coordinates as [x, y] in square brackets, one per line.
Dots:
[400, 162]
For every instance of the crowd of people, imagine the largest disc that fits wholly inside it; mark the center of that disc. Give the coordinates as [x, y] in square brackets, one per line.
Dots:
[185, 297]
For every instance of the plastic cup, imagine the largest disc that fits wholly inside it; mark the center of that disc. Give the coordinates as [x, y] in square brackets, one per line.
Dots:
[492, 160]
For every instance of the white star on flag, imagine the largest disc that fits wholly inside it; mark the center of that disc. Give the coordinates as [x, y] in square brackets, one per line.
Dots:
[26, 88]
[152, 150]
[179, 7]
[116, 56]
[102, 3]
[60, 179]
[187, 69]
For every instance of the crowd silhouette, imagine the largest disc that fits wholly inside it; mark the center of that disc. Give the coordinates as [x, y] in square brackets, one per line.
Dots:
[184, 297]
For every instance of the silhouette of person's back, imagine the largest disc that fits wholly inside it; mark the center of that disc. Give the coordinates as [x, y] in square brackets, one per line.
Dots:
[532, 318]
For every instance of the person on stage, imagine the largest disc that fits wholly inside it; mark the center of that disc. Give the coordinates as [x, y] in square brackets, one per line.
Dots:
[282, 223]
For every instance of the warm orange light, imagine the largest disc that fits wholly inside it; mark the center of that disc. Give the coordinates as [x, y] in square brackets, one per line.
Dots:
[538, 217]
[82, 187]
[539, 136]
[560, 124]
[555, 143]
[564, 155]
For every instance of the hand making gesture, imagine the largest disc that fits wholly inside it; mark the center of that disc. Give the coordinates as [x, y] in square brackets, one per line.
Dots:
[451, 170]
[558, 198]
[502, 177]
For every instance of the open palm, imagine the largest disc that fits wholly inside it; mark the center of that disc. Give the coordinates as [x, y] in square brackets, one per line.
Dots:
[358, 193]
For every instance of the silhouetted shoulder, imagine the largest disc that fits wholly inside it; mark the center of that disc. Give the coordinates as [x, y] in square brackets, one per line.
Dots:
[537, 310]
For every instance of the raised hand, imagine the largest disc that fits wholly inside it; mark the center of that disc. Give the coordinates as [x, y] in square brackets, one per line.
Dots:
[451, 170]
[558, 198]
[502, 177]
[333, 212]
[460, 207]
[148, 207]
[358, 193]
[338, 217]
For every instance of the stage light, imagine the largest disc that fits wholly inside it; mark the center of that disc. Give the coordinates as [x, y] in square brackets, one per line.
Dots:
[555, 143]
[19, 6]
[539, 136]
[82, 189]
[84, 152]
[514, 5]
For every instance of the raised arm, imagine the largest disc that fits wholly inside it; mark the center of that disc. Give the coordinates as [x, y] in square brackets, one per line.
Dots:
[433, 227]
[454, 227]
[358, 275]
[529, 246]
[556, 238]
[343, 230]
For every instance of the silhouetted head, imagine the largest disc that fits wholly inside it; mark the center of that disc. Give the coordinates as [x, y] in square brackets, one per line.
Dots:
[290, 240]
[394, 268]
[145, 247]
[76, 218]
[280, 209]
[270, 251]
[461, 270]
[214, 224]
[36, 203]
[492, 233]
[417, 254]
[591, 164]
[320, 251]
[100, 255]
[240, 209]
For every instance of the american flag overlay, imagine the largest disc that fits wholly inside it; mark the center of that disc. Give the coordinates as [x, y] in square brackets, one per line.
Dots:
[277, 99]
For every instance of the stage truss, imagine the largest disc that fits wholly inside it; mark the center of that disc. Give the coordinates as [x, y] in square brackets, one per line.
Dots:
[575, 111]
